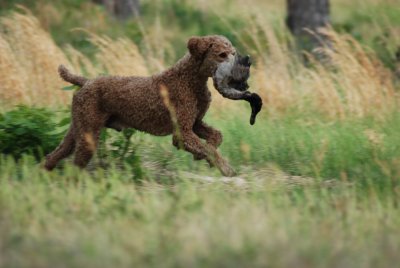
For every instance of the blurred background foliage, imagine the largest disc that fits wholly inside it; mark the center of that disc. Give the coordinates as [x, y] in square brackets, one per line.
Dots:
[374, 23]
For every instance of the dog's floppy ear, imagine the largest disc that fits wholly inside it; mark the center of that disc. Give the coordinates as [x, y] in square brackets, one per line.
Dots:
[198, 46]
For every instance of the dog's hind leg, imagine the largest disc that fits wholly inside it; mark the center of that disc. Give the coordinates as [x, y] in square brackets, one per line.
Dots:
[86, 146]
[89, 122]
[63, 150]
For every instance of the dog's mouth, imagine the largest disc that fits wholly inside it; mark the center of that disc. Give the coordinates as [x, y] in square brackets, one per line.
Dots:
[240, 65]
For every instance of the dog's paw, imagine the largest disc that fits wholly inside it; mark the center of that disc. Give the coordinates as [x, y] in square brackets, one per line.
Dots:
[224, 167]
[228, 171]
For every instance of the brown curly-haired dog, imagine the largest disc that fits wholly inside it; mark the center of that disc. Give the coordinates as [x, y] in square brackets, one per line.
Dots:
[136, 102]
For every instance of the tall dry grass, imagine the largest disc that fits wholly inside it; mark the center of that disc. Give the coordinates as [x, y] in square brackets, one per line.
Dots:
[351, 81]
[29, 59]
[354, 84]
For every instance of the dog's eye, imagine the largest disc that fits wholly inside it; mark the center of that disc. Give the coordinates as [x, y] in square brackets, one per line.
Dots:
[223, 55]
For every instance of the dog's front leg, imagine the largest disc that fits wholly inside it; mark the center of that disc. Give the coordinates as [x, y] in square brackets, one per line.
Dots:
[192, 143]
[210, 134]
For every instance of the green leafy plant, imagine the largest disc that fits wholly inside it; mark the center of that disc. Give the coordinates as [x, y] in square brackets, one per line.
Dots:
[123, 149]
[26, 130]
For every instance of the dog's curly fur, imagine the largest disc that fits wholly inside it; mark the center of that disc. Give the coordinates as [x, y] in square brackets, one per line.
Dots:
[136, 102]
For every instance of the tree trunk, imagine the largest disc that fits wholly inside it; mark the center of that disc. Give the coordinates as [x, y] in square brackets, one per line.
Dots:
[307, 15]
[121, 9]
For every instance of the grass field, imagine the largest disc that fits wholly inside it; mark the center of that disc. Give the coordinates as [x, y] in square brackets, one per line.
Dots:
[102, 219]
[318, 180]
[316, 195]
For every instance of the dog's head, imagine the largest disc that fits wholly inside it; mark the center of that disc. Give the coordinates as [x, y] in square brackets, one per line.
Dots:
[211, 51]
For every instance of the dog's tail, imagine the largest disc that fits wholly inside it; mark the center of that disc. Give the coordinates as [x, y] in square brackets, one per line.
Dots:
[72, 78]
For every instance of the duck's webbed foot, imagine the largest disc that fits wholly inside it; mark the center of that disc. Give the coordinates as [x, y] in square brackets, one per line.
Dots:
[256, 103]
[253, 98]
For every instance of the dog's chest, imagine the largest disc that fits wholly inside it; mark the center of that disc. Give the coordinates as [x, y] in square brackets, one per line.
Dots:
[191, 96]
[203, 97]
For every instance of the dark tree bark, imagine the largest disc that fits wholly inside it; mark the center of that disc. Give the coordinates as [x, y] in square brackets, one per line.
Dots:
[121, 9]
[307, 15]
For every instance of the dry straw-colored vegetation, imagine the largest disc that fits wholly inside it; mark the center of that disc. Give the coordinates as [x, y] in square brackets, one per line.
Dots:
[28, 63]
[354, 83]
[29, 59]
